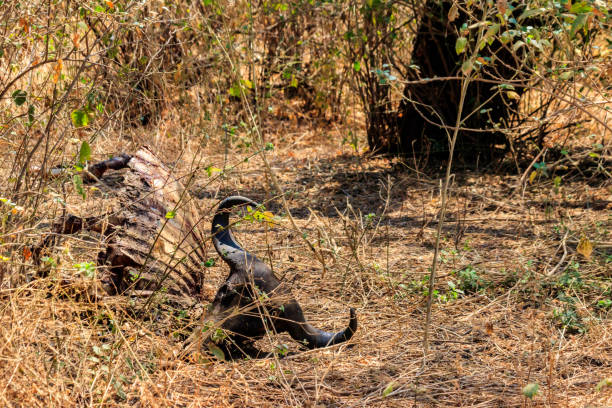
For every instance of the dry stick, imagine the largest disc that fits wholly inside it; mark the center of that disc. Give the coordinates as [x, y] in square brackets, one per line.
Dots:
[465, 81]
[524, 176]
[432, 275]
[564, 244]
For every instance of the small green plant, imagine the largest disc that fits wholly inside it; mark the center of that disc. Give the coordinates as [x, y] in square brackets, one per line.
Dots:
[447, 255]
[107, 320]
[388, 389]
[272, 377]
[469, 281]
[282, 349]
[219, 335]
[568, 319]
[530, 390]
[467, 247]
[119, 388]
[352, 140]
[49, 261]
[454, 291]
[571, 278]
[262, 295]
[88, 269]
[369, 218]
[78, 186]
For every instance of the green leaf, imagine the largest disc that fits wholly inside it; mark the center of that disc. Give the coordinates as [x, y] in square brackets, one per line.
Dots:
[578, 24]
[492, 32]
[606, 382]
[217, 352]
[84, 152]
[170, 214]
[460, 45]
[86, 268]
[31, 111]
[467, 67]
[210, 262]
[505, 37]
[531, 13]
[294, 82]
[356, 66]
[210, 170]
[530, 390]
[282, 349]
[78, 185]
[235, 90]
[580, 7]
[19, 97]
[388, 389]
[79, 118]
[269, 146]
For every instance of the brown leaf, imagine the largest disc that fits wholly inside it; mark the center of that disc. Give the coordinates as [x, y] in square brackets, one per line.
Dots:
[57, 70]
[502, 6]
[585, 247]
[25, 25]
[453, 13]
[27, 253]
[513, 95]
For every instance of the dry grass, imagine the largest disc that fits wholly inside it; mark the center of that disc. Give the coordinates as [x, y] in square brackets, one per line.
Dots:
[527, 307]
[59, 349]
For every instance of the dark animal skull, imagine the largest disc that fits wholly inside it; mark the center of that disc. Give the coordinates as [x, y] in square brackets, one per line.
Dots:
[238, 302]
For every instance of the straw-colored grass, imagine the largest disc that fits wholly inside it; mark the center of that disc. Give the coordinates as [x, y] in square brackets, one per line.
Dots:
[60, 348]
[520, 299]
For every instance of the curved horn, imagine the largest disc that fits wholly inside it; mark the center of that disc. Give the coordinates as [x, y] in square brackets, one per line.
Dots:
[312, 337]
[225, 244]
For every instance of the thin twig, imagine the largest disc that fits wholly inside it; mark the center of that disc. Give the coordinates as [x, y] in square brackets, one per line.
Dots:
[564, 244]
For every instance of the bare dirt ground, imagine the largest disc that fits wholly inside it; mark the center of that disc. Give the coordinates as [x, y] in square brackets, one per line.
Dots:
[518, 300]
